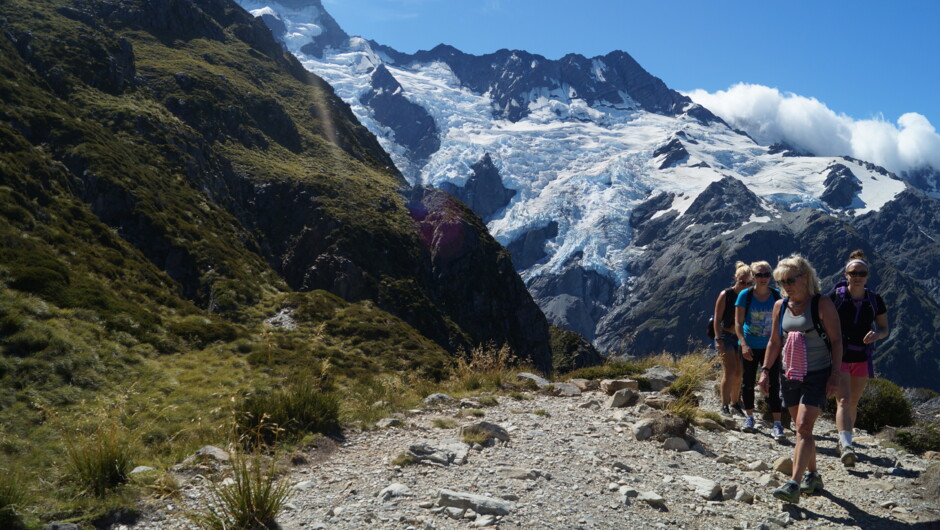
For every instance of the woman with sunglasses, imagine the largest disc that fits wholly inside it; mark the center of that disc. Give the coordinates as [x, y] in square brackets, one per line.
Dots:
[753, 321]
[727, 341]
[861, 313]
[811, 368]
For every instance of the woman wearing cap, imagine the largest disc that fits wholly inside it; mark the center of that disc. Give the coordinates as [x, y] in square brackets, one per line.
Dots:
[811, 368]
[864, 320]
[727, 341]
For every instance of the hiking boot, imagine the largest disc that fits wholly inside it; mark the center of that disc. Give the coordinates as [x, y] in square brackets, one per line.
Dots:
[789, 492]
[725, 410]
[748, 424]
[777, 433]
[848, 456]
[736, 408]
[811, 483]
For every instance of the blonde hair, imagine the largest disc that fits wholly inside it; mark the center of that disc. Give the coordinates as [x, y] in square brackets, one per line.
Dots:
[761, 265]
[741, 269]
[798, 264]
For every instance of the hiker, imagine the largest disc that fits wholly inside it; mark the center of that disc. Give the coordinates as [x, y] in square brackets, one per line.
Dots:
[727, 341]
[753, 321]
[864, 320]
[811, 367]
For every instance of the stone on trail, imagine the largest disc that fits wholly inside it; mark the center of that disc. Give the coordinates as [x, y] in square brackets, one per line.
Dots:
[491, 430]
[704, 488]
[659, 377]
[643, 429]
[676, 444]
[209, 452]
[624, 397]
[478, 503]
[783, 465]
[652, 499]
[564, 390]
[394, 490]
[586, 385]
[385, 423]
[609, 386]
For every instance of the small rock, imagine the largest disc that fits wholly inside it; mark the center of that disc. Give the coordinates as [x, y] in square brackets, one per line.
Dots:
[652, 499]
[620, 466]
[540, 382]
[744, 497]
[676, 444]
[704, 488]
[768, 481]
[659, 377]
[643, 429]
[478, 503]
[141, 469]
[784, 465]
[490, 430]
[385, 423]
[209, 452]
[757, 466]
[437, 399]
[610, 386]
[624, 397]
[394, 490]
[592, 404]
[586, 385]
[485, 520]
[888, 504]
[565, 390]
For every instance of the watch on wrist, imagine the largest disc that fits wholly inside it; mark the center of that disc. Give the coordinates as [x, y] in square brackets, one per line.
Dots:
[764, 369]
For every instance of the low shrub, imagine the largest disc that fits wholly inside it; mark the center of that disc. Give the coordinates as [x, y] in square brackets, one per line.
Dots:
[100, 462]
[302, 407]
[610, 370]
[252, 500]
[14, 498]
[919, 439]
[883, 403]
[444, 423]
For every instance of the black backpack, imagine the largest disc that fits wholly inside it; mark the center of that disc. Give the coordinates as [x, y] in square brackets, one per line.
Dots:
[710, 331]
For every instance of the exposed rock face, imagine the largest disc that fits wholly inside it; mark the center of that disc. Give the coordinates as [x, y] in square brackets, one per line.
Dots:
[484, 192]
[511, 77]
[673, 153]
[529, 248]
[474, 278]
[576, 299]
[842, 187]
[413, 127]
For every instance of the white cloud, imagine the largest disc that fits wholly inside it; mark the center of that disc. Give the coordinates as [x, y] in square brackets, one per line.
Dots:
[770, 116]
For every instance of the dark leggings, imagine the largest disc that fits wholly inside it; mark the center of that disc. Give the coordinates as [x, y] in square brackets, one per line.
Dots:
[750, 376]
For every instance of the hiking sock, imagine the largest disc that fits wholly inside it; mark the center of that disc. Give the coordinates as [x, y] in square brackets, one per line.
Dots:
[845, 438]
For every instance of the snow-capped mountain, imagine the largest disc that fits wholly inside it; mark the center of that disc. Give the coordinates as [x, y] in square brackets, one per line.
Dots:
[581, 166]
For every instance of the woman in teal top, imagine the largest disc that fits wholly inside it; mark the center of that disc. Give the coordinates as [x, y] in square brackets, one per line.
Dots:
[753, 320]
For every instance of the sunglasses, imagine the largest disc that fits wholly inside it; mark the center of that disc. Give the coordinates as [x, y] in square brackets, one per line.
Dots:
[857, 274]
[791, 280]
[762, 275]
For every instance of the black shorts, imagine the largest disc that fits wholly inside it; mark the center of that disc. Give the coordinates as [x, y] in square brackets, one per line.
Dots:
[811, 391]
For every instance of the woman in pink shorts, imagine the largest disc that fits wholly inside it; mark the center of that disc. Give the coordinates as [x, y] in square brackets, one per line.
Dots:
[864, 319]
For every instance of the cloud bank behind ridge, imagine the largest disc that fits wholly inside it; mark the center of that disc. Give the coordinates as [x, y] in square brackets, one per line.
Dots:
[770, 116]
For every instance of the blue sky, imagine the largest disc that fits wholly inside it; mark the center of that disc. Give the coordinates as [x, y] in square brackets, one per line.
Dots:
[860, 58]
